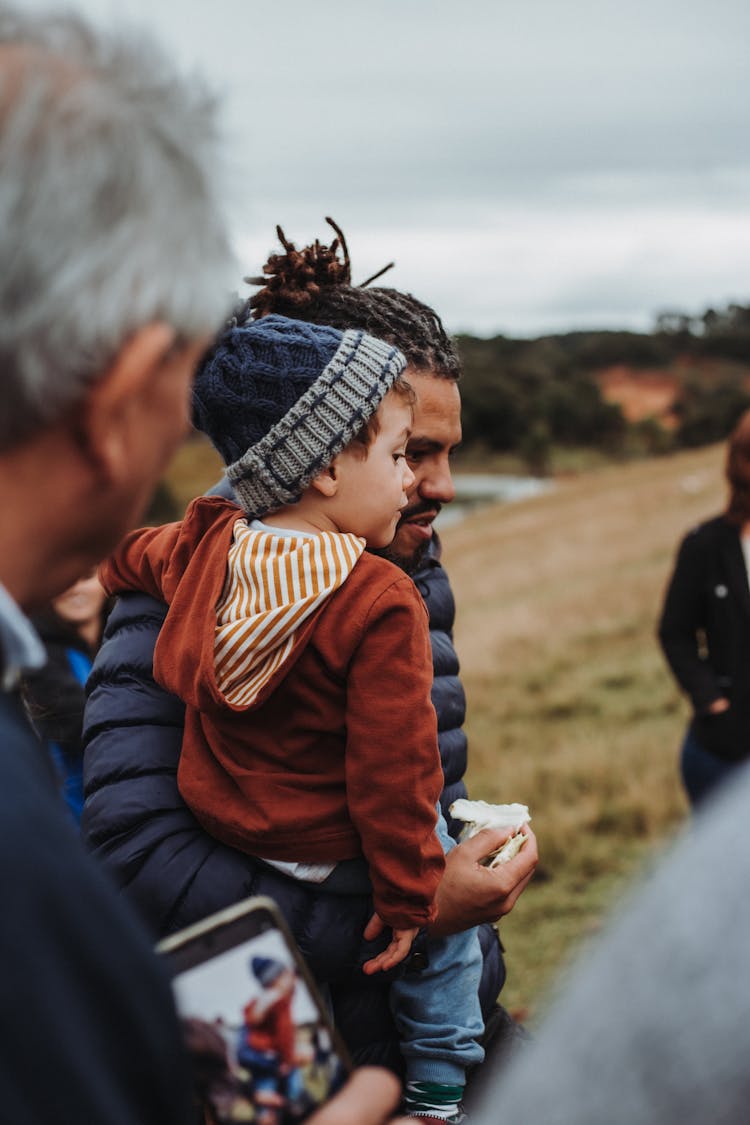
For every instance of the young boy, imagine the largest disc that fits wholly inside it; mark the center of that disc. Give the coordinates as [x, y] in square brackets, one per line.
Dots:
[304, 662]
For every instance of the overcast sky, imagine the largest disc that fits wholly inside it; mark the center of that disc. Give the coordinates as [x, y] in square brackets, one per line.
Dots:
[531, 165]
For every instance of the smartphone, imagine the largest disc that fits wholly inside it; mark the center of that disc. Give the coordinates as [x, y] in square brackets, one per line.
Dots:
[262, 1046]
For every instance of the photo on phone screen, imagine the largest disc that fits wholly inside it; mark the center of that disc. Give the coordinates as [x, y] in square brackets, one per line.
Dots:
[262, 1047]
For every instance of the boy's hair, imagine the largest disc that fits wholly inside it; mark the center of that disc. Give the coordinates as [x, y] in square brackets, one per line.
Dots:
[403, 390]
[314, 284]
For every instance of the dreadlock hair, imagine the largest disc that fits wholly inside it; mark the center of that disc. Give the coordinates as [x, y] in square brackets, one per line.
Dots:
[314, 284]
[738, 471]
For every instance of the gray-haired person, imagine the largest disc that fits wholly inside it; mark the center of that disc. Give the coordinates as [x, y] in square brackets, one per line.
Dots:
[114, 268]
[114, 275]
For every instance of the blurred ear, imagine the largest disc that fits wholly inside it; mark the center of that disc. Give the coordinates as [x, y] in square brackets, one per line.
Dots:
[107, 426]
[326, 482]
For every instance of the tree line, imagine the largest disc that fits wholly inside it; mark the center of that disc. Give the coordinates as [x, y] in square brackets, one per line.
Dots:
[527, 396]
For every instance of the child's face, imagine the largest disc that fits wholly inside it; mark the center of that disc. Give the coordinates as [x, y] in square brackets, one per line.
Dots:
[372, 483]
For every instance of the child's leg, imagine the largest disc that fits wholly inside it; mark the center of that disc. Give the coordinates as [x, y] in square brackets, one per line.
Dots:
[439, 1019]
[440, 1025]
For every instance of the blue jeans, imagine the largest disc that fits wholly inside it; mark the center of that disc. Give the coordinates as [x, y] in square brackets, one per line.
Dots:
[701, 770]
[436, 1009]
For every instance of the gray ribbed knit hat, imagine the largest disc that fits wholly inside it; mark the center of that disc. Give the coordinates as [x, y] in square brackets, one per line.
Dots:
[281, 398]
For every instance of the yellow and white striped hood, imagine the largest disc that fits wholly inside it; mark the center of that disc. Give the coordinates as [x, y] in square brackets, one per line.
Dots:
[274, 583]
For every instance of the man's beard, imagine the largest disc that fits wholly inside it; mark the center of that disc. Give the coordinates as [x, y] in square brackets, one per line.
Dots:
[410, 564]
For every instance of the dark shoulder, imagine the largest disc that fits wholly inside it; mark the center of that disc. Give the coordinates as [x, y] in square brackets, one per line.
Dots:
[433, 583]
[711, 531]
[136, 1058]
[431, 573]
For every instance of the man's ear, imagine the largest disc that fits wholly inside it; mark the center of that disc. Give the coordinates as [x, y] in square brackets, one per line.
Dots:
[113, 408]
[326, 482]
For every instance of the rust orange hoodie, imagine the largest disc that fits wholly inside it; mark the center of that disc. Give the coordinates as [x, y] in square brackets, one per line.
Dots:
[333, 752]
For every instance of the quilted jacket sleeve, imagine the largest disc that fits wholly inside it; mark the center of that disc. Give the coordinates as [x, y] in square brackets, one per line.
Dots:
[448, 696]
[134, 818]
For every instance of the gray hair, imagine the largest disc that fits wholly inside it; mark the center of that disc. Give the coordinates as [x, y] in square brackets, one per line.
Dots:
[109, 209]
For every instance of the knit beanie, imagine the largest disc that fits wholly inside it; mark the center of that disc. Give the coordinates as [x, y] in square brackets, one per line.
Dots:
[281, 398]
[266, 969]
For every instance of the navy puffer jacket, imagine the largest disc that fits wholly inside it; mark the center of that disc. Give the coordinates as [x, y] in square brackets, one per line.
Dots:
[136, 822]
[448, 697]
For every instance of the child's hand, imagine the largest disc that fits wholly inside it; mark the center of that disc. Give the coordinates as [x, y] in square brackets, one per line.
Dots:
[399, 947]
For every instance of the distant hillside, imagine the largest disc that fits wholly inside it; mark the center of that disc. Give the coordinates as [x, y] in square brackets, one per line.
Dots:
[641, 393]
[628, 393]
[663, 393]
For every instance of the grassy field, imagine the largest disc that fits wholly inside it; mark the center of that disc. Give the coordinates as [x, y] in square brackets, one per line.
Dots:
[571, 708]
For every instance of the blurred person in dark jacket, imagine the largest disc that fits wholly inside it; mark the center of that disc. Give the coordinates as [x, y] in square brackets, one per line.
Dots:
[114, 268]
[705, 630]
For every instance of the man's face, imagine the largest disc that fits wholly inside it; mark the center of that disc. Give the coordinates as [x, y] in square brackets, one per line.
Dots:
[436, 434]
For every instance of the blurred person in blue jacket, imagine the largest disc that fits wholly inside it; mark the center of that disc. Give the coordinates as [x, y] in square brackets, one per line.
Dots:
[70, 628]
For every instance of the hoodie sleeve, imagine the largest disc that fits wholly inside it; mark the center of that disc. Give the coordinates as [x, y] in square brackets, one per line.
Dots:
[393, 772]
[140, 562]
[153, 560]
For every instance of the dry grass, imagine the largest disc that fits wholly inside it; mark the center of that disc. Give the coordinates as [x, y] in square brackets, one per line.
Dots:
[571, 708]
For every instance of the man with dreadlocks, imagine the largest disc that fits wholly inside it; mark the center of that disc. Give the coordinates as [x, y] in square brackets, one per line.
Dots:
[135, 819]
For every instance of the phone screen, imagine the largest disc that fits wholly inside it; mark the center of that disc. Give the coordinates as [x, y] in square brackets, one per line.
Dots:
[262, 1047]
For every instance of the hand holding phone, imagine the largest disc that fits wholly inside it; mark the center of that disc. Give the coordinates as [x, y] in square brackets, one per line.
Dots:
[260, 1040]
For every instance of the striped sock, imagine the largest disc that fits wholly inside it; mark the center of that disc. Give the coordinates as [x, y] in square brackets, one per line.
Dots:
[433, 1099]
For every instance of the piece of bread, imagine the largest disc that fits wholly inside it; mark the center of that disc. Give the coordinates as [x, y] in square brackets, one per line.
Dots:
[477, 815]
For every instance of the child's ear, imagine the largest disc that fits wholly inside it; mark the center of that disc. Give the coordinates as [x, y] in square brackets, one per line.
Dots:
[326, 482]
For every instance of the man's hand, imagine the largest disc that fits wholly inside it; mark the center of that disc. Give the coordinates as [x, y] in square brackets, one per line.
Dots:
[368, 1098]
[469, 893]
[394, 953]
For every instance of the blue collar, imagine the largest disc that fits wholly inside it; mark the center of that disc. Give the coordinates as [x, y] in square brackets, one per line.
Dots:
[20, 646]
